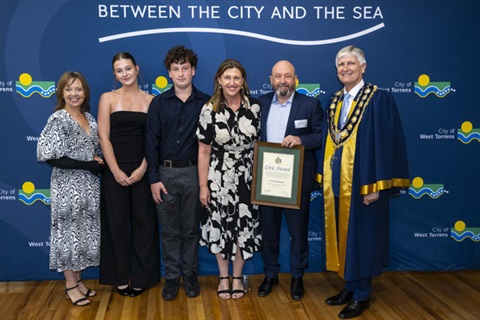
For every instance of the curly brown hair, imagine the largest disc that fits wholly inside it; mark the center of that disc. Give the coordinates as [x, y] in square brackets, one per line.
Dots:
[180, 55]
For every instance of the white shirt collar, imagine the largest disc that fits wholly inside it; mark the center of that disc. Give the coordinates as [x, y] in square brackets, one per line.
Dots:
[355, 89]
[275, 100]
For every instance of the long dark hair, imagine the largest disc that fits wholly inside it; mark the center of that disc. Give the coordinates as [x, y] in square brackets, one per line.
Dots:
[125, 56]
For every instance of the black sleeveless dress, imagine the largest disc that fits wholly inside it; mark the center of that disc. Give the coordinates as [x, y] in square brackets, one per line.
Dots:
[130, 250]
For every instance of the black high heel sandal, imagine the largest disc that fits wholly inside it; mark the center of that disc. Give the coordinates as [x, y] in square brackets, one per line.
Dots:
[76, 302]
[90, 292]
[224, 291]
[236, 292]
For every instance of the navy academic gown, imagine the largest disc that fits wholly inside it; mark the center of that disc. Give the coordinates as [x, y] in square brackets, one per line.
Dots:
[373, 158]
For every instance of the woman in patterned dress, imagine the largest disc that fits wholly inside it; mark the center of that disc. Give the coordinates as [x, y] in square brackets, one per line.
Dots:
[227, 130]
[69, 142]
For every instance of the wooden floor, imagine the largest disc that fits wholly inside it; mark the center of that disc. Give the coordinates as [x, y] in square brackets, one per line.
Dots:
[396, 295]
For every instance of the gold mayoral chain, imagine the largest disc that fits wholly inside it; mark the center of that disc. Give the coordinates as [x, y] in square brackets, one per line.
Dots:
[339, 136]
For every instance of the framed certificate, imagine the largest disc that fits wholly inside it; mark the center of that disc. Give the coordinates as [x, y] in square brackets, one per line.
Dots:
[277, 175]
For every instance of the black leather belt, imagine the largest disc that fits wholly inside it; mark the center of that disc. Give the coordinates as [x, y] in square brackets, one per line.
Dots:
[179, 164]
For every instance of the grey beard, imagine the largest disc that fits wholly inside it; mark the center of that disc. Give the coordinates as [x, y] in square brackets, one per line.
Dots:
[286, 94]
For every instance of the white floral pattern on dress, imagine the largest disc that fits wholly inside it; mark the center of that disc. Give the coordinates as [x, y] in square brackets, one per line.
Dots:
[231, 218]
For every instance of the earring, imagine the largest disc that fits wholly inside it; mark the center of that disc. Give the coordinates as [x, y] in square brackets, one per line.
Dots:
[220, 86]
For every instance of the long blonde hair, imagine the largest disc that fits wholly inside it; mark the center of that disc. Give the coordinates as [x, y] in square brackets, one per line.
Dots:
[218, 100]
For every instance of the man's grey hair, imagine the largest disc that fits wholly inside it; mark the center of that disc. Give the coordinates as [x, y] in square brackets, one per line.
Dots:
[351, 51]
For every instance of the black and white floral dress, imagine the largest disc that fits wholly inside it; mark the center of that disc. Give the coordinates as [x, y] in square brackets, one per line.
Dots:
[75, 193]
[232, 218]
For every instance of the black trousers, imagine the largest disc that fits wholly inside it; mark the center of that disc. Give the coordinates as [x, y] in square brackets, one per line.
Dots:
[130, 251]
[297, 222]
[179, 216]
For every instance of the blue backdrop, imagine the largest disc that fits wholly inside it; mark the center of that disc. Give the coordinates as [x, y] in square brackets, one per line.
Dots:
[422, 51]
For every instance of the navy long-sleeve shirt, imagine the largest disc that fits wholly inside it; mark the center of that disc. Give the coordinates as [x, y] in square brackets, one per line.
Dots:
[170, 130]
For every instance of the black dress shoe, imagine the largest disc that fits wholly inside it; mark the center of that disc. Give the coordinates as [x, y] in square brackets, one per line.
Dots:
[124, 292]
[354, 308]
[192, 287]
[170, 289]
[135, 292]
[341, 298]
[267, 285]
[296, 289]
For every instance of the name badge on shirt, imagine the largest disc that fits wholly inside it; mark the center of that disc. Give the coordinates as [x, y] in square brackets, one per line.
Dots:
[301, 123]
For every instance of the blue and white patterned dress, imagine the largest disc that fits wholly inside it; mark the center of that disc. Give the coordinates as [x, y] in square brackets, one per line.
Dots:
[75, 193]
[232, 218]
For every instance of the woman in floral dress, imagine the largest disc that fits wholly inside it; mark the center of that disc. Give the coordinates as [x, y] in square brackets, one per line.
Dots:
[227, 130]
[69, 142]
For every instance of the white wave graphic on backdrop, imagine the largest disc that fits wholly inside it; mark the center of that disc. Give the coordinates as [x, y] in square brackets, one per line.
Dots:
[241, 33]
